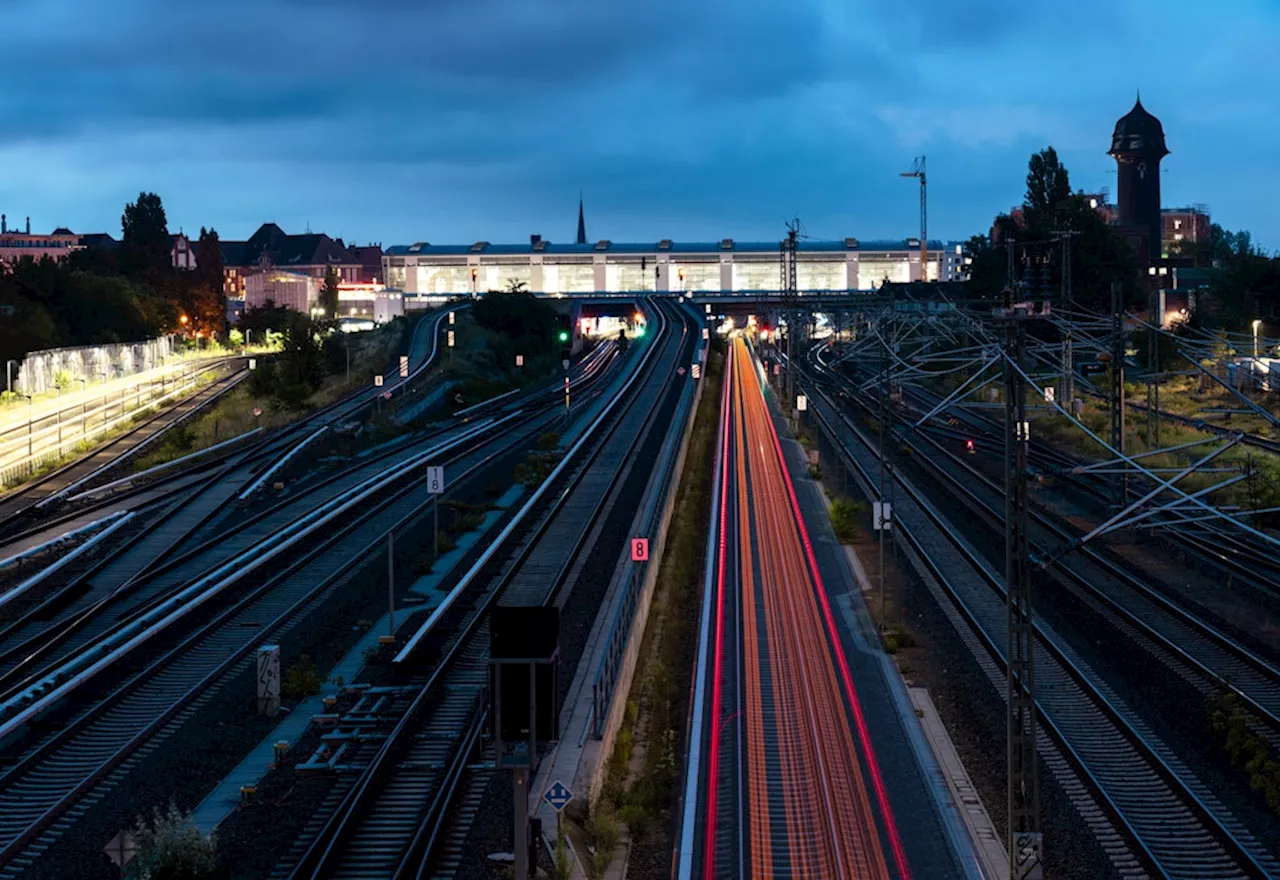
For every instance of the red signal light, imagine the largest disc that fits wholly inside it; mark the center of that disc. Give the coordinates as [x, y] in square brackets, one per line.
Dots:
[968, 445]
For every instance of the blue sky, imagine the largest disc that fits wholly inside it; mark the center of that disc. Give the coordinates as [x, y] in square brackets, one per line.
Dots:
[456, 120]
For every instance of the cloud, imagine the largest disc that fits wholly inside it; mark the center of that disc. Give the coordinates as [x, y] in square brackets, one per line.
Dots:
[444, 119]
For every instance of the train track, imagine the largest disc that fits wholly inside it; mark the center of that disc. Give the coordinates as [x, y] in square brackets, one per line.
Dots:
[58, 506]
[1218, 547]
[47, 789]
[17, 505]
[1174, 824]
[393, 820]
[170, 509]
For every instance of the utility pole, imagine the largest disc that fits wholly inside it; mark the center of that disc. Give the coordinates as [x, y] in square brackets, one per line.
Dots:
[1068, 305]
[917, 171]
[789, 268]
[1153, 369]
[886, 450]
[1026, 842]
[1117, 388]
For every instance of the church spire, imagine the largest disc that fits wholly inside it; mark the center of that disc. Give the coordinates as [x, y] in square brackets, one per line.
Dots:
[582, 223]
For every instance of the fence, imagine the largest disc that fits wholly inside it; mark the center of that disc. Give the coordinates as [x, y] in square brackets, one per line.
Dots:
[39, 369]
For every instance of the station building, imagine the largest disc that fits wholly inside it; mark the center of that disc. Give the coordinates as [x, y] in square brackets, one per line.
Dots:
[662, 266]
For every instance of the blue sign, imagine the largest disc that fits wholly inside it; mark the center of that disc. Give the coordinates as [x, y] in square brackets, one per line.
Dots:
[558, 795]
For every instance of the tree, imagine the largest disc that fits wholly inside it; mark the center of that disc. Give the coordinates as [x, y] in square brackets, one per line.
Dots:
[1048, 187]
[329, 293]
[209, 268]
[146, 234]
[300, 367]
[268, 316]
[1099, 255]
[515, 286]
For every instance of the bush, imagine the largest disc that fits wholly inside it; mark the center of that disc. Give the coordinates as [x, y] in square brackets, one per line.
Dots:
[172, 848]
[844, 520]
[302, 680]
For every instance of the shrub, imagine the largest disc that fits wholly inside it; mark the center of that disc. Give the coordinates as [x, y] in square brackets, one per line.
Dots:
[173, 848]
[301, 680]
[844, 520]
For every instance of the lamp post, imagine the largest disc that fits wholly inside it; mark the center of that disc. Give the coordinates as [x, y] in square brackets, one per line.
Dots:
[84, 405]
[1257, 322]
[30, 406]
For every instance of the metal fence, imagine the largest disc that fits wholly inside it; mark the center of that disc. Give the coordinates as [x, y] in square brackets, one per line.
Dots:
[39, 369]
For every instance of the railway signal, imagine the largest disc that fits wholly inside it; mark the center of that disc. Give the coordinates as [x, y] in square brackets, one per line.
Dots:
[968, 447]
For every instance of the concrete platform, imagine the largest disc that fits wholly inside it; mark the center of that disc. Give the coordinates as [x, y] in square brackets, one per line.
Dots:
[225, 797]
[937, 839]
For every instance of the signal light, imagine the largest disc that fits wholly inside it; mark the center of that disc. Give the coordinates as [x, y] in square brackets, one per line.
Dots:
[968, 446]
[564, 336]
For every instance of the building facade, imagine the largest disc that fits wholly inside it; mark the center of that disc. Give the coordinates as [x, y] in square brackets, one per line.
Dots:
[271, 247]
[182, 252]
[1183, 228]
[15, 245]
[1137, 145]
[293, 290]
[663, 266]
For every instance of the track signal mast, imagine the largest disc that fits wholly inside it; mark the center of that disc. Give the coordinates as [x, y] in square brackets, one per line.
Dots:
[917, 170]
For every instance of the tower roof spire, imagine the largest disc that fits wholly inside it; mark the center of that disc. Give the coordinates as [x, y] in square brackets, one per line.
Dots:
[582, 223]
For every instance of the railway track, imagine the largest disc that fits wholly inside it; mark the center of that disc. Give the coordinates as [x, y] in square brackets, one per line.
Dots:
[394, 819]
[54, 781]
[61, 503]
[17, 505]
[1172, 822]
[1217, 546]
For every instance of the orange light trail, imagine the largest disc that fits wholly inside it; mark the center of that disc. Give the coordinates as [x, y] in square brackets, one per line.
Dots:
[810, 760]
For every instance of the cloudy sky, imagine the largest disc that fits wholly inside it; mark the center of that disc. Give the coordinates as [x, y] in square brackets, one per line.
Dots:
[457, 120]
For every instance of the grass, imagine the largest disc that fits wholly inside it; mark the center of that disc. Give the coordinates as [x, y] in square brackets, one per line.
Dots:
[233, 414]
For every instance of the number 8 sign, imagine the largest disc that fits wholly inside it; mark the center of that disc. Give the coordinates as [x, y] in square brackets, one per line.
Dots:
[435, 479]
[639, 549]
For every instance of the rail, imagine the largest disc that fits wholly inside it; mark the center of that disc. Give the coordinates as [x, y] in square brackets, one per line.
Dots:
[618, 631]
[686, 842]
[1069, 676]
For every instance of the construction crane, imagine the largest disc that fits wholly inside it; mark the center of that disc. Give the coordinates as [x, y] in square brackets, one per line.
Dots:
[917, 170]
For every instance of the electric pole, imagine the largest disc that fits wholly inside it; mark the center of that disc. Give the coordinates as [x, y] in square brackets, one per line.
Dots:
[1068, 305]
[1026, 841]
[917, 171]
[1117, 389]
[789, 270]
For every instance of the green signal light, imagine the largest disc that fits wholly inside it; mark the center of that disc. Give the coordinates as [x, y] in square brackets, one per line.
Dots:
[639, 331]
[564, 335]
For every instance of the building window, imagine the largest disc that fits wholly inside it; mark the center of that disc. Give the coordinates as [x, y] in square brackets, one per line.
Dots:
[1177, 224]
[1177, 236]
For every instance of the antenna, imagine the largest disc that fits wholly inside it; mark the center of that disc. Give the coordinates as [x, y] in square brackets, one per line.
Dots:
[917, 170]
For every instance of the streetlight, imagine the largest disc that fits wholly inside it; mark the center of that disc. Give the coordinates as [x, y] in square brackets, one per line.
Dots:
[30, 406]
[1257, 322]
[84, 405]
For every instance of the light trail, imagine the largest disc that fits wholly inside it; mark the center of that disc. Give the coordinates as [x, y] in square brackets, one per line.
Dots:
[807, 750]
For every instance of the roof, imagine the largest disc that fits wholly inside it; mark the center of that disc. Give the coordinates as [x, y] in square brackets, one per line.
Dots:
[1138, 131]
[62, 230]
[101, 240]
[284, 250]
[423, 248]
